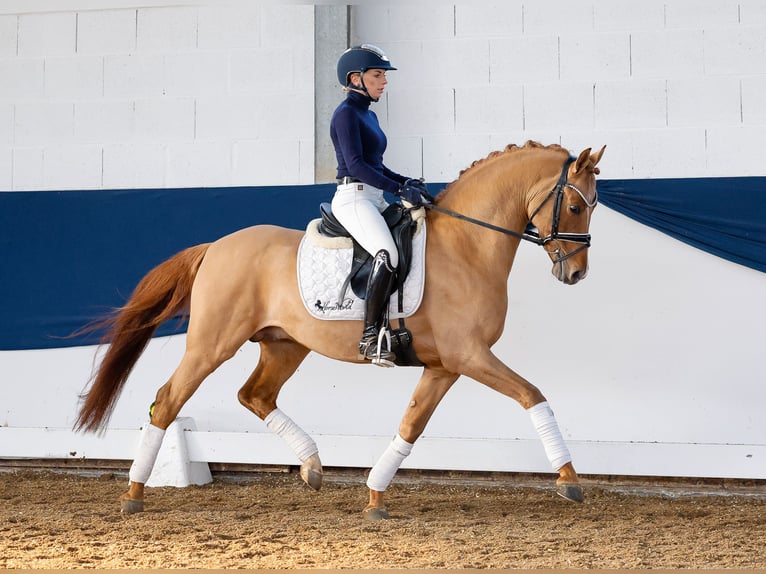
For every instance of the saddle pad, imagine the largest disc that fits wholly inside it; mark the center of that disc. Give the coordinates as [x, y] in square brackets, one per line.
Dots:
[324, 263]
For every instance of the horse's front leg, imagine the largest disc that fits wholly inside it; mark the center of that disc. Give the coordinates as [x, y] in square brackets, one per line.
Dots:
[433, 385]
[486, 368]
[544, 421]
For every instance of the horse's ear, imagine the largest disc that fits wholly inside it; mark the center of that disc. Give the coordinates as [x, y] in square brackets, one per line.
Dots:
[585, 160]
[582, 161]
[596, 157]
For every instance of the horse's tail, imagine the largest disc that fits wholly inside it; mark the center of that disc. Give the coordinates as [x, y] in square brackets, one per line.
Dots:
[161, 295]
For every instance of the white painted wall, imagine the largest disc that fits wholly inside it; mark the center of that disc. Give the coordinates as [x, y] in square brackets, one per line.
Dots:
[674, 88]
[653, 364]
[159, 96]
[216, 94]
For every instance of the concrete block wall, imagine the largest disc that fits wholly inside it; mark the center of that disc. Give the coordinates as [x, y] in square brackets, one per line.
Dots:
[164, 96]
[673, 88]
[224, 94]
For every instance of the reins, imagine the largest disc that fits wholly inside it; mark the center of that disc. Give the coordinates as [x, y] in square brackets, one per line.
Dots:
[530, 234]
[527, 236]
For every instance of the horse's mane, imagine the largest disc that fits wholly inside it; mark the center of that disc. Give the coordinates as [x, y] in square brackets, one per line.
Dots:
[509, 149]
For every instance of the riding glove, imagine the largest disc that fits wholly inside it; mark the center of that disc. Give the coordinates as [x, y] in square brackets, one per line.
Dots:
[414, 191]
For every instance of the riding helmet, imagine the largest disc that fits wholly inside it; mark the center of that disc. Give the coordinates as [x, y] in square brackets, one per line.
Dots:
[360, 59]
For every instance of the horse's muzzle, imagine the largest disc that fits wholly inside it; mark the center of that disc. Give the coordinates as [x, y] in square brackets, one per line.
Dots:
[563, 273]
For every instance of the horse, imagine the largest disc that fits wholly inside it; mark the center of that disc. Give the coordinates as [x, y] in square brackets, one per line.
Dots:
[243, 287]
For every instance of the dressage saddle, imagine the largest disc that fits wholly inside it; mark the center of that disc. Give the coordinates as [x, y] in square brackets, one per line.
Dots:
[402, 226]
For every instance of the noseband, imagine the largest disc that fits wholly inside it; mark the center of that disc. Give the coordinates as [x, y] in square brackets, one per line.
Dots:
[531, 233]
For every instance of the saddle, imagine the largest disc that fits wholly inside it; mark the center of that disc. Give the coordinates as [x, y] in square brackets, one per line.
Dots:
[402, 226]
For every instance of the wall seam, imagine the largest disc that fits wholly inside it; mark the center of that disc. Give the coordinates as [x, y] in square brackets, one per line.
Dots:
[741, 105]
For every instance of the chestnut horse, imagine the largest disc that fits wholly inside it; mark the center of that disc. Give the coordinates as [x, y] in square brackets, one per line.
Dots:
[243, 287]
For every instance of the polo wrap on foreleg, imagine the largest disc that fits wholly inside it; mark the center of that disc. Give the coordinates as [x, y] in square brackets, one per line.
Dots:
[548, 429]
[385, 469]
[151, 441]
[296, 438]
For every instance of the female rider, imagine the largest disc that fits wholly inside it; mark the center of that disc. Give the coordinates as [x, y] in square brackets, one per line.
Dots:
[362, 178]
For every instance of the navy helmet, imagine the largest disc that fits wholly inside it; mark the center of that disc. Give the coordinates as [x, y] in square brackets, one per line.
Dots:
[360, 59]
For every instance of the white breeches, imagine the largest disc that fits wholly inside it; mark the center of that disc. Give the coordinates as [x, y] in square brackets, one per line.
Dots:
[358, 207]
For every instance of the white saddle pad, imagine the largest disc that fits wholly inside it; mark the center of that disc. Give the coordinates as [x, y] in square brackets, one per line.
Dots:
[324, 264]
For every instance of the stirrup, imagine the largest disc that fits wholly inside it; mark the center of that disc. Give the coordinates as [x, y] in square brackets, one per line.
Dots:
[382, 361]
[378, 356]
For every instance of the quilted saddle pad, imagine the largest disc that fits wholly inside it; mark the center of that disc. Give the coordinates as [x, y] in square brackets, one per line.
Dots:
[325, 262]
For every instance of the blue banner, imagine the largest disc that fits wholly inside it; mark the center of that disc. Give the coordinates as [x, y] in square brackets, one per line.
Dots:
[68, 257]
[724, 216]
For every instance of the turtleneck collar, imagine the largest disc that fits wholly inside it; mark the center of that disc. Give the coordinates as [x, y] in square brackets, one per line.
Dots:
[359, 100]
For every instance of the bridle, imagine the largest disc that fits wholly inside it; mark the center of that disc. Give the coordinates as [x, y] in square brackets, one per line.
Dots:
[531, 233]
[557, 193]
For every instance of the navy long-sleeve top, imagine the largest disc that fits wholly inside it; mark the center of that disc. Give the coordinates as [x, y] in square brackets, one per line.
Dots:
[360, 142]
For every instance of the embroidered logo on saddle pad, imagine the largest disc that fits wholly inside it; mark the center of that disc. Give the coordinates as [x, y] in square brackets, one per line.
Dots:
[324, 263]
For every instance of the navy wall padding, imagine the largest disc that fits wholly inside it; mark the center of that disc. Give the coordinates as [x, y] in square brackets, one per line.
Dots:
[68, 257]
[725, 216]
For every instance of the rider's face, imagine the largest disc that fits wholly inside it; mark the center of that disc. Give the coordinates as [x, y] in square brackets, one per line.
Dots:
[375, 81]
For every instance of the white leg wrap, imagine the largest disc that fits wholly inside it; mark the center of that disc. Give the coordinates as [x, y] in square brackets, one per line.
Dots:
[385, 469]
[546, 426]
[151, 440]
[296, 438]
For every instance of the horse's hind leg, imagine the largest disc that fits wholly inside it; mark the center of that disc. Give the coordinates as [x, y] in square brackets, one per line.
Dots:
[431, 388]
[279, 360]
[186, 379]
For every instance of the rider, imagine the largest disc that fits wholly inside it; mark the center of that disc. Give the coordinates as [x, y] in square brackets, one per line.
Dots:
[362, 178]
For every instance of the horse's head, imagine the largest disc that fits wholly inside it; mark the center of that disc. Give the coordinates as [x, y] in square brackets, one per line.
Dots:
[563, 216]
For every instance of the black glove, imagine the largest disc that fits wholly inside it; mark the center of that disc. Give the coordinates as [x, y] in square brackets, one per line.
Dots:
[411, 192]
[419, 186]
[427, 197]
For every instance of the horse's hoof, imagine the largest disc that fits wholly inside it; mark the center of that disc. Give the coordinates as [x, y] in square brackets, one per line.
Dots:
[311, 472]
[375, 514]
[571, 492]
[312, 478]
[130, 506]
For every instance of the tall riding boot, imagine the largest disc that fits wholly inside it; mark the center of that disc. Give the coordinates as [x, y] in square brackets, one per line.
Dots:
[378, 291]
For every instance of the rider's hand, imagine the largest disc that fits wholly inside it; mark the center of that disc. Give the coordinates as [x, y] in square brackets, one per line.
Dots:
[427, 197]
[412, 192]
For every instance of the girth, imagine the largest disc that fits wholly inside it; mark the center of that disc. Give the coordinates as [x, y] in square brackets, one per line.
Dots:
[402, 227]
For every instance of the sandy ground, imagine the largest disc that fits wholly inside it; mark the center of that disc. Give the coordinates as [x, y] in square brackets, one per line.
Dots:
[272, 520]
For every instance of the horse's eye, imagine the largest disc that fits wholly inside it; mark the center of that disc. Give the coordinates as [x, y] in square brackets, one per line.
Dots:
[575, 209]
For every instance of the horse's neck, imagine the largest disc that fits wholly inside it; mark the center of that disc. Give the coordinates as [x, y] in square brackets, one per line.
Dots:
[489, 201]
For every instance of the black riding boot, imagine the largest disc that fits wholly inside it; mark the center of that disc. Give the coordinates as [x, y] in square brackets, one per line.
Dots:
[378, 290]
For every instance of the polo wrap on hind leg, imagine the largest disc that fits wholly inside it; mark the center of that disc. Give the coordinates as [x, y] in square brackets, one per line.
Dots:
[548, 429]
[151, 441]
[384, 470]
[296, 438]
